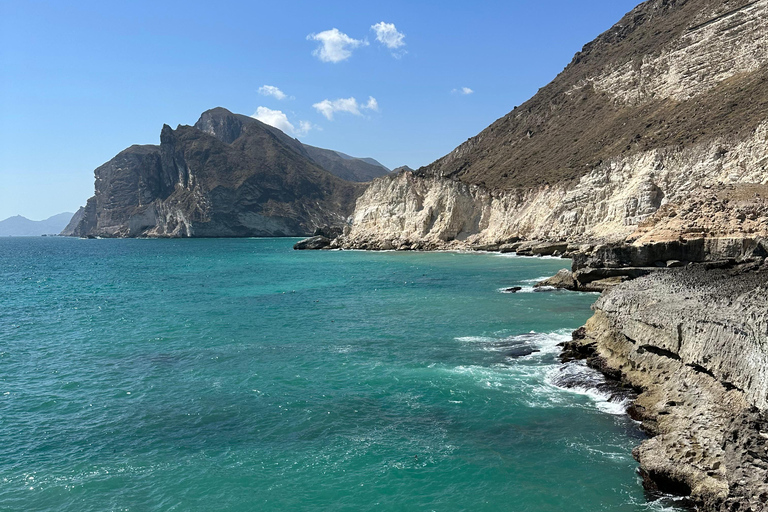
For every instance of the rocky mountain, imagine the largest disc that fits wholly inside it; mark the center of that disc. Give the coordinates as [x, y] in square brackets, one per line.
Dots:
[670, 100]
[344, 166]
[21, 226]
[227, 127]
[229, 175]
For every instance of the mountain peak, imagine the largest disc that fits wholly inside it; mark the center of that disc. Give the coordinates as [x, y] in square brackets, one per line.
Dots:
[228, 127]
[223, 124]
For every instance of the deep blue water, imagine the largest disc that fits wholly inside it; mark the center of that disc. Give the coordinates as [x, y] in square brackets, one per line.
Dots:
[142, 375]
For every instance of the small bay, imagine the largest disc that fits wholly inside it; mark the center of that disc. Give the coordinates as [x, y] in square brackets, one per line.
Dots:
[238, 374]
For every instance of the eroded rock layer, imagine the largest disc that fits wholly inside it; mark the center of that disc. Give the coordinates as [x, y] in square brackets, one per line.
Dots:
[695, 342]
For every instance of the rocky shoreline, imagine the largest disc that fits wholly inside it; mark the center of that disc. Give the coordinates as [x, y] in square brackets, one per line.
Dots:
[692, 342]
[644, 162]
[684, 324]
[683, 327]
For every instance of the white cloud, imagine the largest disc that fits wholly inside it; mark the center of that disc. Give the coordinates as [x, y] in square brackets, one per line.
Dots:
[464, 90]
[335, 46]
[271, 90]
[372, 104]
[349, 105]
[387, 34]
[280, 121]
[304, 127]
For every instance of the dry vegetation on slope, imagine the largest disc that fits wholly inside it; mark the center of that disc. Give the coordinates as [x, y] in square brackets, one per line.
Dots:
[583, 118]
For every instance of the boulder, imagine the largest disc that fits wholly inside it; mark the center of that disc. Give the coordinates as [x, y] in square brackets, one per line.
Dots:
[313, 243]
[329, 231]
[509, 247]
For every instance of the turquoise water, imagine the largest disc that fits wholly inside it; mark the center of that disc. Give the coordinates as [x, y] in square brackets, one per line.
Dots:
[142, 375]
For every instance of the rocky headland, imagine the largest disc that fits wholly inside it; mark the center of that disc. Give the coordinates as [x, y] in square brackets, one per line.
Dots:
[229, 175]
[668, 105]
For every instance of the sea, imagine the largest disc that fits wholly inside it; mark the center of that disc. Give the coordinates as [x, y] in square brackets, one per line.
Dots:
[241, 375]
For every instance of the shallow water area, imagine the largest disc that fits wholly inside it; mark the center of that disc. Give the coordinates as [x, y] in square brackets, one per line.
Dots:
[243, 375]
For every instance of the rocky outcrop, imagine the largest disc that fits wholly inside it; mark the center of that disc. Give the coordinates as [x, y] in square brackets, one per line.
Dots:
[695, 343]
[736, 210]
[69, 229]
[195, 184]
[313, 243]
[671, 254]
[563, 279]
[668, 103]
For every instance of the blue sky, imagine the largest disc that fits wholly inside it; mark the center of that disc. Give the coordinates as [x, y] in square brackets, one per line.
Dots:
[80, 81]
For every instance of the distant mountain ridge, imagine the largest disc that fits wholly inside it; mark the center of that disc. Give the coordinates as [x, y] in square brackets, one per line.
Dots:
[22, 226]
[229, 175]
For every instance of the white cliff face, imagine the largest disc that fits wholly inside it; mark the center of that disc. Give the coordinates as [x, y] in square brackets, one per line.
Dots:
[696, 62]
[605, 205]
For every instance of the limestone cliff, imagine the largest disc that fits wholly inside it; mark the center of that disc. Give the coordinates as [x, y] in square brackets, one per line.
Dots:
[669, 100]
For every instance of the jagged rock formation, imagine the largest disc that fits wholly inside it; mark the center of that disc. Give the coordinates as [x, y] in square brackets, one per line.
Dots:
[695, 342]
[720, 211]
[670, 99]
[230, 175]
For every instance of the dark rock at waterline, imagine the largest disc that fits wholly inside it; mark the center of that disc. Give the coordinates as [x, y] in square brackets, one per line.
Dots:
[674, 253]
[513, 289]
[510, 247]
[521, 351]
[549, 249]
[563, 279]
[314, 243]
[486, 247]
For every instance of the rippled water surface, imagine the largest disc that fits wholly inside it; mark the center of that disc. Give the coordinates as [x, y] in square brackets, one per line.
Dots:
[144, 375]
